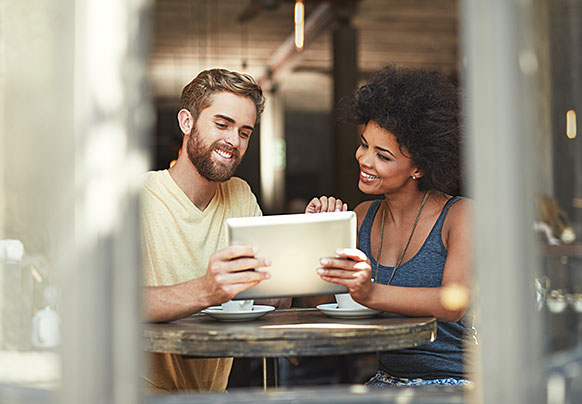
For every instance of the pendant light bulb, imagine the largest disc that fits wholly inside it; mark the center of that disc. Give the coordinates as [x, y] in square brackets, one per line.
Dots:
[299, 24]
[571, 124]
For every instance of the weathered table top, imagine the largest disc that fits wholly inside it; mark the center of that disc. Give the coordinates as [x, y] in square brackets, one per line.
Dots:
[290, 332]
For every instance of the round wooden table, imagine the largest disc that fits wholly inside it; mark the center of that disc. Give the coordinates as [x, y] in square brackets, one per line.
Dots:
[288, 332]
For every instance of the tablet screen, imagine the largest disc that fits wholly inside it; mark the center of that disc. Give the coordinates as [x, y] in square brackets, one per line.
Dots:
[294, 243]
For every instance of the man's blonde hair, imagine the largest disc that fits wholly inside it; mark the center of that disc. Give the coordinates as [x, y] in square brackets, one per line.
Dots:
[197, 95]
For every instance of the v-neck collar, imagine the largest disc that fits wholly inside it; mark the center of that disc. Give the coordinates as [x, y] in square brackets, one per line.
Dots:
[187, 201]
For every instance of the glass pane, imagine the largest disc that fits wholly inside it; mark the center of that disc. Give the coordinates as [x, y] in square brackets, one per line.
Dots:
[560, 212]
[559, 207]
[73, 117]
[36, 145]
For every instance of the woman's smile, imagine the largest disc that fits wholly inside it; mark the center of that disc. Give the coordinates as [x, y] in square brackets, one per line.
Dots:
[365, 177]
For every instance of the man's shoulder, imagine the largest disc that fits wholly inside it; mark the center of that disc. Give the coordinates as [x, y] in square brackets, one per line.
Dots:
[154, 177]
[236, 186]
[156, 182]
[237, 193]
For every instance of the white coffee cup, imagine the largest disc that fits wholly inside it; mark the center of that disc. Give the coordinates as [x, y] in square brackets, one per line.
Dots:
[345, 301]
[45, 328]
[238, 305]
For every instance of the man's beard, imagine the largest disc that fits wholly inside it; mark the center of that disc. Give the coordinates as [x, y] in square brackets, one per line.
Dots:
[207, 166]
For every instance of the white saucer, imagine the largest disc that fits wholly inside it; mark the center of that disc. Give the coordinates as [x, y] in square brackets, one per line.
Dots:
[332, 310]
[257, 311]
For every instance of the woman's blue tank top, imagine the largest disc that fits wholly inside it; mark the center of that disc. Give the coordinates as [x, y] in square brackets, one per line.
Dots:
[439, 359]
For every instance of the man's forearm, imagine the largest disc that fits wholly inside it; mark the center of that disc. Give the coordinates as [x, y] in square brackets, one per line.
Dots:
[168, 303]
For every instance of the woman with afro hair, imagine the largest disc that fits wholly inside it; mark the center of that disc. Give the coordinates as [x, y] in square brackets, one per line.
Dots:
[414, 242]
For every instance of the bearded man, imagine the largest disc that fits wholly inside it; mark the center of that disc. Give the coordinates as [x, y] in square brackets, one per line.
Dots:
[187, 264]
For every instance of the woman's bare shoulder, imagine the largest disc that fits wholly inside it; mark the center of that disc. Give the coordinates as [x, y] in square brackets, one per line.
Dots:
[459, 215]
[463, 207]
[362, 207]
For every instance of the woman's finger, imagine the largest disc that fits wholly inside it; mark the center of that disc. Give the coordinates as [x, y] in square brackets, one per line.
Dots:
[323, 203]
[330, 204]
[336, 273]
[352, 254]
[326, 204]
[314, 206]
[340, 263]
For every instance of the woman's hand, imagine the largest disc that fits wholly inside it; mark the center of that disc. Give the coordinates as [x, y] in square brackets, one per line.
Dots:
[351, 268]
[326, 204]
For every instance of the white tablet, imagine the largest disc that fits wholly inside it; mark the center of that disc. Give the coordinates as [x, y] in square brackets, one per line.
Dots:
[294, 243]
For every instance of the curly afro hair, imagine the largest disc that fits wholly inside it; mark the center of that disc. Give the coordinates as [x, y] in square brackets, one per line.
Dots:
[421, 109]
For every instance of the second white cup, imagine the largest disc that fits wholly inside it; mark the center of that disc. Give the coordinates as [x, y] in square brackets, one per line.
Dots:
[345, 301]
[238, 305]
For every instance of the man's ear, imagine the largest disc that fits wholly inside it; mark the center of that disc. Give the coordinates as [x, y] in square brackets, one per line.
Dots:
[186, 121]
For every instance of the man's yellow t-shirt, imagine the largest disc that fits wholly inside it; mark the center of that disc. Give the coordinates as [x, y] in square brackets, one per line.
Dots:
[178, 240]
